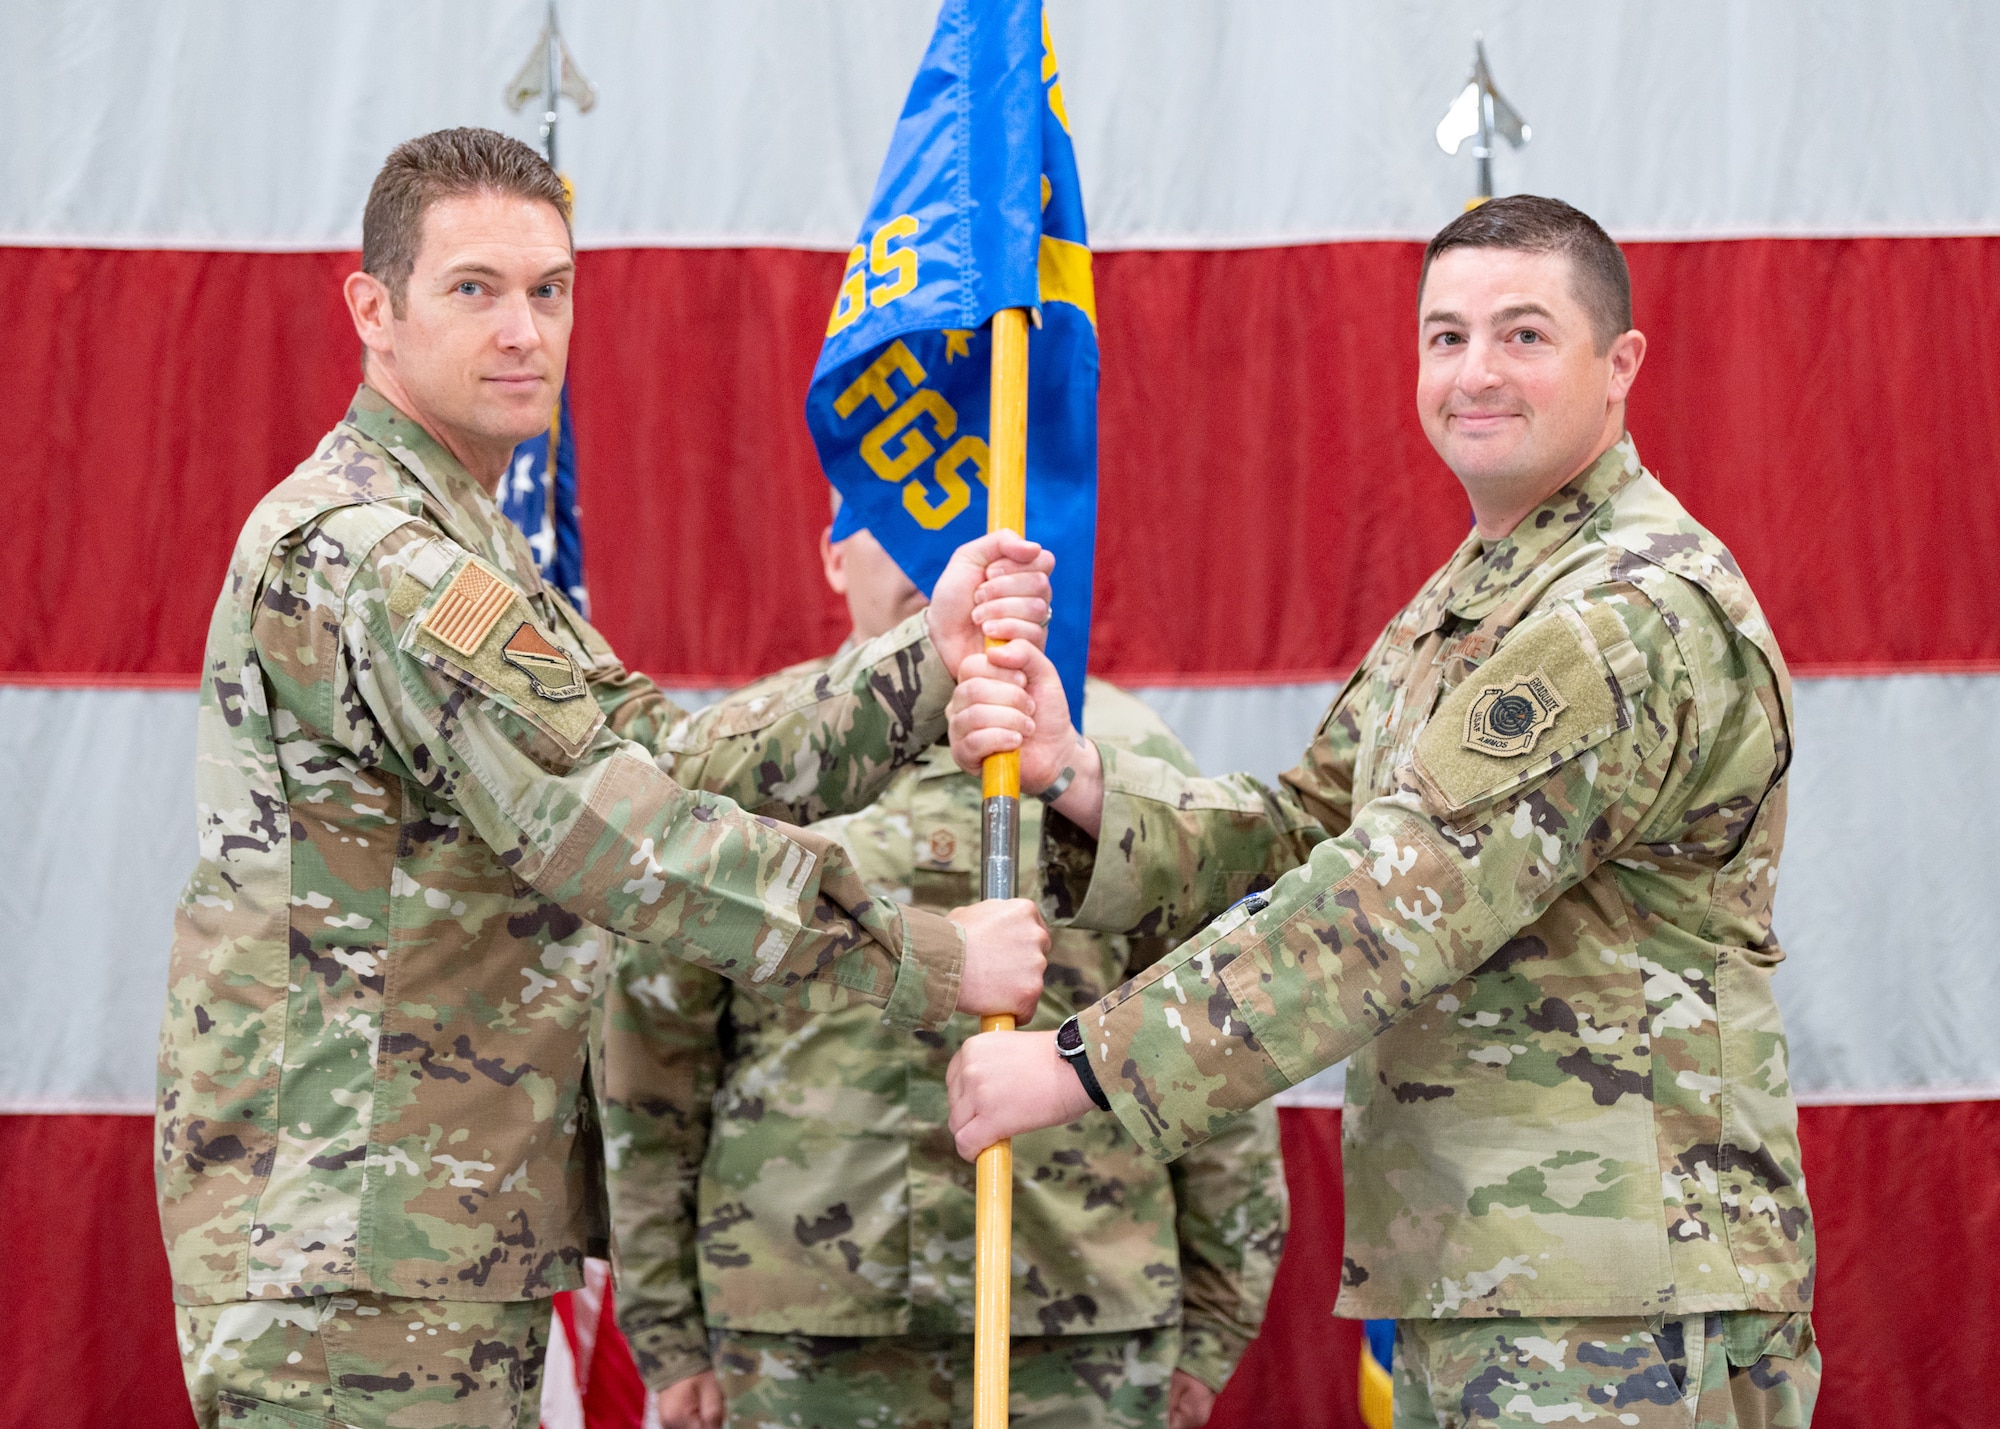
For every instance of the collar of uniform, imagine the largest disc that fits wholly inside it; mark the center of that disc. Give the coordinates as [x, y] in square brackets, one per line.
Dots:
[473, 519]
[1478, 587]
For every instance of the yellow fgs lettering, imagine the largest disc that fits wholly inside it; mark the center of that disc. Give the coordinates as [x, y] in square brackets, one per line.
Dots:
[957, 494]
[915, 446]
[853, 298]
[884, 261]
[873, 383]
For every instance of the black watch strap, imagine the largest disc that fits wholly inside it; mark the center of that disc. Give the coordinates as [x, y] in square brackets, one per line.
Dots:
[1069, 1043]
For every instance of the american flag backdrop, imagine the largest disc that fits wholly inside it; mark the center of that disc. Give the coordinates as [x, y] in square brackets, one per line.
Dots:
[1807, 198]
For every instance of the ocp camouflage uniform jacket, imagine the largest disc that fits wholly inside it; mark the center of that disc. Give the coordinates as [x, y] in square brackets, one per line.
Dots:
[788, 1174]
[1523, 878]
[424, 785]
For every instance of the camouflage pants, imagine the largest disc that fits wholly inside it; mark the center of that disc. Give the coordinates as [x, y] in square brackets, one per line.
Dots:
[1117, 1381]
[365, 1360]
[1702, 1372]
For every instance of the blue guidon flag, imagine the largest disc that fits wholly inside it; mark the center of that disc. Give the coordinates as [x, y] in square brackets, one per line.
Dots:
[977, 209]
[538, 494]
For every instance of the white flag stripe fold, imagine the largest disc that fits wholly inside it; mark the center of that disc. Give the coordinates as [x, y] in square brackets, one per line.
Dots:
[1203, 124]
[1882, 907]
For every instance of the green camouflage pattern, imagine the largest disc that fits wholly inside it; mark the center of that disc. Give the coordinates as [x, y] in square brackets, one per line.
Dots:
[365, 1360]
[787, 1174]
[1541, 930]
[373, 1051]
[1109, 1381]
[1713, 1371]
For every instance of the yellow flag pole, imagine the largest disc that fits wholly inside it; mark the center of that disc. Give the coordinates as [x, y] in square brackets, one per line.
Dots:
[1000, 777]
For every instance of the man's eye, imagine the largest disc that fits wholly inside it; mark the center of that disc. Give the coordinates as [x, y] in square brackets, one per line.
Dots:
[469, 288]
[547, 290]
[1529, 335]
[1449, 339]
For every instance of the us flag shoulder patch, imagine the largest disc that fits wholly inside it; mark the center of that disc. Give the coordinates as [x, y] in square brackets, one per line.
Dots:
[463, 615]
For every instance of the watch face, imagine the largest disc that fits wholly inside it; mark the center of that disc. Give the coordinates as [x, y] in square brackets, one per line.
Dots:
[1069, 1037]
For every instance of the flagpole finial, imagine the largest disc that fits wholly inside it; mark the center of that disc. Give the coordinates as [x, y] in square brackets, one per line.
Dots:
[1479, 113]
[549, 74]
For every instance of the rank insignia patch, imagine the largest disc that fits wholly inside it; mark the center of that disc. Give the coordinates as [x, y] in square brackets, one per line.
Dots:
[550, 671]
[469, 606]
[1506, 720]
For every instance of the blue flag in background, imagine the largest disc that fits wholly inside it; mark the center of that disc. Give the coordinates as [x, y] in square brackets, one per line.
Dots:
[977, 209]
[539, 496]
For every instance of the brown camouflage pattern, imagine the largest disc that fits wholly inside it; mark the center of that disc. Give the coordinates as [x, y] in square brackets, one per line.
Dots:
[1109, 1381]
[780, 1173]
[362, 1359]
[372, 1056]
[1713, 1371]
[1568, 1091]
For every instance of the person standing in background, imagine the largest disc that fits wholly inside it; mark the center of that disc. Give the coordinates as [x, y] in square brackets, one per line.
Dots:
[793, 1233]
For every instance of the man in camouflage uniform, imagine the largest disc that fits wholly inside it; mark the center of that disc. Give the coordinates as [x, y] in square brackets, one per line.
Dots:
[1522, 878]
[425, 784]
[789, 1213]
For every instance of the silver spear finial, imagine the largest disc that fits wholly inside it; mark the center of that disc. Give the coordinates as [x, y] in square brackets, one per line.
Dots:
[549, 73]
[1478, 114]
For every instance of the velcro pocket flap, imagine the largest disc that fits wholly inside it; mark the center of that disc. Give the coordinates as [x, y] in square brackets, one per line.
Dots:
[1547, 695]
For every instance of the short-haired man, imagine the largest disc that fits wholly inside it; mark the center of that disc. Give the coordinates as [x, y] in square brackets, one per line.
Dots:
[425, 783]
[1522, 878]
[793, 1231]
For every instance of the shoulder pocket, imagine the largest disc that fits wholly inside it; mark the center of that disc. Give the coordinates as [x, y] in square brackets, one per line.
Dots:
[1557, 687]
[479, 630]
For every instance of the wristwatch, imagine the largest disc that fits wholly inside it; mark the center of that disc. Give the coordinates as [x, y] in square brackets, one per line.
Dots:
[1069, 1045]
[1058, 786]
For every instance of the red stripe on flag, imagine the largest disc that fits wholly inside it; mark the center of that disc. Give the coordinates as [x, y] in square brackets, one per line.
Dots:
[1906, 1200]
[1827, 405]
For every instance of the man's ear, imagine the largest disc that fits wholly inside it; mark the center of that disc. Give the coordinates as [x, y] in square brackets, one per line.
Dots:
[368, 304]
[833, 561]
[1628, 352]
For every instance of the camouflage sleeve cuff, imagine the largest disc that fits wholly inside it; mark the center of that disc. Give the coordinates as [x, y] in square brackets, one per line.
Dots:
[926, 988]
[668, 1351]
[1210, 1352]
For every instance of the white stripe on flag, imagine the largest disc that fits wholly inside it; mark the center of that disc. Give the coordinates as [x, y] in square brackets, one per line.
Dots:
[1208, 124]
[1882, 908]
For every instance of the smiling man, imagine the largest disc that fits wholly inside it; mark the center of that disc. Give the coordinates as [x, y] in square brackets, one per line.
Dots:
[425, 785]
[1522, 879]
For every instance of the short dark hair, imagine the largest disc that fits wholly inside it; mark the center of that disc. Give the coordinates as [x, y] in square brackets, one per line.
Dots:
[1528, 223]
[445, 164]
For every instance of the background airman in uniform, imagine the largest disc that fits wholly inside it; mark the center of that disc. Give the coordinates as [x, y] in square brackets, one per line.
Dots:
[794, 1230]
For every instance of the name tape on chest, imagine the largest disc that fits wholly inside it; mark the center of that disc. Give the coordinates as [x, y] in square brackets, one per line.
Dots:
[1507, 720]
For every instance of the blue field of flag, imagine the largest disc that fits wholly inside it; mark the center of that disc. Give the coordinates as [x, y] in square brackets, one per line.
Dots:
[538, 494]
